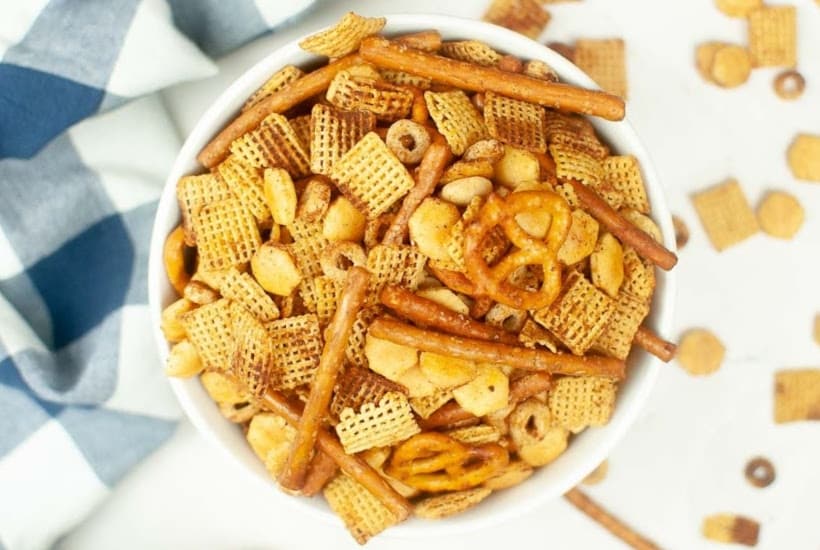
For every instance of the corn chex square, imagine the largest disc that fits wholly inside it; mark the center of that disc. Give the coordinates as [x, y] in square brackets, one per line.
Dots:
[575, 132]
[623, 172]
[320, 296]
[377, 424]
[456, 119]
[344, 37]
[616, 338]
[725, 214]
[243, 289]
[576, 163]
[279, 81]
[514, 122]
[301, 127]
[209, 330]
[639, 276]
[274, 144]
[333, 132]
[605, 62]
[353, 92]
[527, 17]
[427, 405]
[371, 177]
[773, 36]
[194, 192]
[307, 252]
[797, 395]
[401, 78]
[399, 265]
[472, 51]
[577, 402]
[362, 513]
[252, 357]
[578, 314]
[450, 504]
[354, 352]
[246, 183]
[226, 235]
[297, 347]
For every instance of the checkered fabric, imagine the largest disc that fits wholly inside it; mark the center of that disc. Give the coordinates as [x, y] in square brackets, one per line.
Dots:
[82, 396]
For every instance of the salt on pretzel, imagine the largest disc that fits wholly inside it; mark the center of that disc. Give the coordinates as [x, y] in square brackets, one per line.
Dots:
[436, 462]
[493, 352]
[469, 76]
[492, 281]
[432, 166]
[428, 313]
[646, 247]
[352, 465]
[321, 390]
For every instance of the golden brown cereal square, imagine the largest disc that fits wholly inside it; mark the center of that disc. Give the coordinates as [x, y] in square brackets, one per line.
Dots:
[303, 229]
[273, 144]
[209, 330]
[624, 174]
[353, 92]
[399, 265]
[725, 214]
[301, 127]
[525, 16]
[473, 51]
[252, 358]
[515, 122]
[243, 289]
[804, 157]
[245, 182]
[574, 132]
[533, 335]
[278, 81]
[476, 435]
[320, 296]
[427, 405]
[194, 192]
[616, 338]
[576, 163]
[450, 504]
[605, 62]
[359, 385]
[297, 348]
[731, 528]
[362, 513]
[371, 177]
[344, 37]
[307, 252]
[456, 118]
[639, 276]
[796, 395]
[376, 425]
[773, 36]
[577, 402]
[333, 132]
[401, 78]
[226, 235]
[578, 314]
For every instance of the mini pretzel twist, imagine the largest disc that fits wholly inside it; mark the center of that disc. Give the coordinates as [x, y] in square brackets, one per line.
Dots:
[530, 250]
[436, 462]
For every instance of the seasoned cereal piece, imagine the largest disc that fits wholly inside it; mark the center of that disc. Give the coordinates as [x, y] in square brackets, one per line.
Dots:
[616, 338]
[333, 132]
[473, 51]
[582, 401]
[731, 528]
[515, 122]
[773, 36]
[226, 235]
[209, 330]
[278, 81]
[297, 348]
[450, 504]
[796, 395]
[243, 289]
[725, 214]
[359, 385]
[376, 425]
[605, 62]
[737, 8]
[624, 174]
[273, 144]
[362, 513]
[456, 118]
[344, 37]
[386, 101]
[525, 16]
[400, 265]
[194, 192]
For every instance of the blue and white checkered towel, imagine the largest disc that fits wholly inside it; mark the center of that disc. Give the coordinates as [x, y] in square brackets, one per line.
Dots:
[82, 395]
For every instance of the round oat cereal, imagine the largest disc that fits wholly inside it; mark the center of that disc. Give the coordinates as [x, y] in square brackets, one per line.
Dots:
[780, 215]
[700, 352]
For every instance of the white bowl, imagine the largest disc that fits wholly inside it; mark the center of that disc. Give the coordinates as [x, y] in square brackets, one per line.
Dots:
[586, 450]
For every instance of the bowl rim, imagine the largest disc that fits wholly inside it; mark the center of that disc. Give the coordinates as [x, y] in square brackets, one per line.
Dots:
[224, 108]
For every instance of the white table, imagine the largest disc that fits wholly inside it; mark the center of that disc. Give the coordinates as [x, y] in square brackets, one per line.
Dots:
[684, 458]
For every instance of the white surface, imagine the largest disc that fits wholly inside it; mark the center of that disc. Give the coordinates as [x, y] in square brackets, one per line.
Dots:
[684, 457]
[587, 449]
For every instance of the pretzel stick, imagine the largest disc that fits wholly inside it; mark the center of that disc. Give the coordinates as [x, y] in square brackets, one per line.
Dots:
[432, 166]
[644, 245]
[429, 41]
[290, 96]
[608, 521]
[654, 344]
[426, 312]
[494, 352]
[336, 336]
[520, 390]
[469, 76]
[352, 465]
[322, 469]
